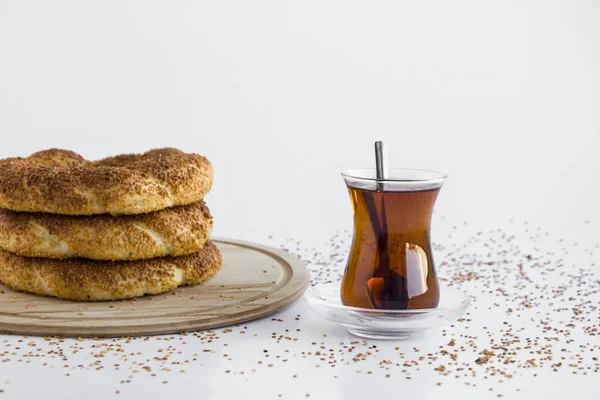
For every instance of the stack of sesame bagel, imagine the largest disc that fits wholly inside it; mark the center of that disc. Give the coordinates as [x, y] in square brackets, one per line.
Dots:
[111, 229]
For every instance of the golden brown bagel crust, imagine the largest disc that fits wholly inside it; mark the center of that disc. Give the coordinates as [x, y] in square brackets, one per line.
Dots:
[173, 231]
[88, 280]
[62, 182]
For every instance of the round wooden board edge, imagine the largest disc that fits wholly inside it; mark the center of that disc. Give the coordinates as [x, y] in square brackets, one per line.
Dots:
[294, 262]
[300, 273]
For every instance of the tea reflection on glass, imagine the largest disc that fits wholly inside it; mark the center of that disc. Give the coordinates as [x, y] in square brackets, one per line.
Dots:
[390, 264]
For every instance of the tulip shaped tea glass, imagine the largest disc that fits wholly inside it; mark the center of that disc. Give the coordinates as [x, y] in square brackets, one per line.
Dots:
[390, 265]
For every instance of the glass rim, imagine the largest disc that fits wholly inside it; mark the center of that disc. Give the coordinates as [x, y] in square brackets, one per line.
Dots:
[360, 174]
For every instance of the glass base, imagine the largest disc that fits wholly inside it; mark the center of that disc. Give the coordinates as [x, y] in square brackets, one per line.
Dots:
[370, 334]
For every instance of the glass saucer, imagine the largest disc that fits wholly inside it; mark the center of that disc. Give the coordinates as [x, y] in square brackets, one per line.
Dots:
[386, 324]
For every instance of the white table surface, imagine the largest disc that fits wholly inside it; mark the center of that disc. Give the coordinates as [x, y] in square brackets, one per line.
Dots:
[277, 355]
[282, 96]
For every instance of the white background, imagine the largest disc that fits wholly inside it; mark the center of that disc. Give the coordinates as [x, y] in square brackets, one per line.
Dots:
[503, 96]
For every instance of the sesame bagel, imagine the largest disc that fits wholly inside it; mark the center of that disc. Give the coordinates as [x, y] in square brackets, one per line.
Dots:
[88, 280]
[62, 182]
[173, 231]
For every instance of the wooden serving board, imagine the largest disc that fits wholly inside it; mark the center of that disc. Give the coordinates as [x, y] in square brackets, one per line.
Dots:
[254, 281]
